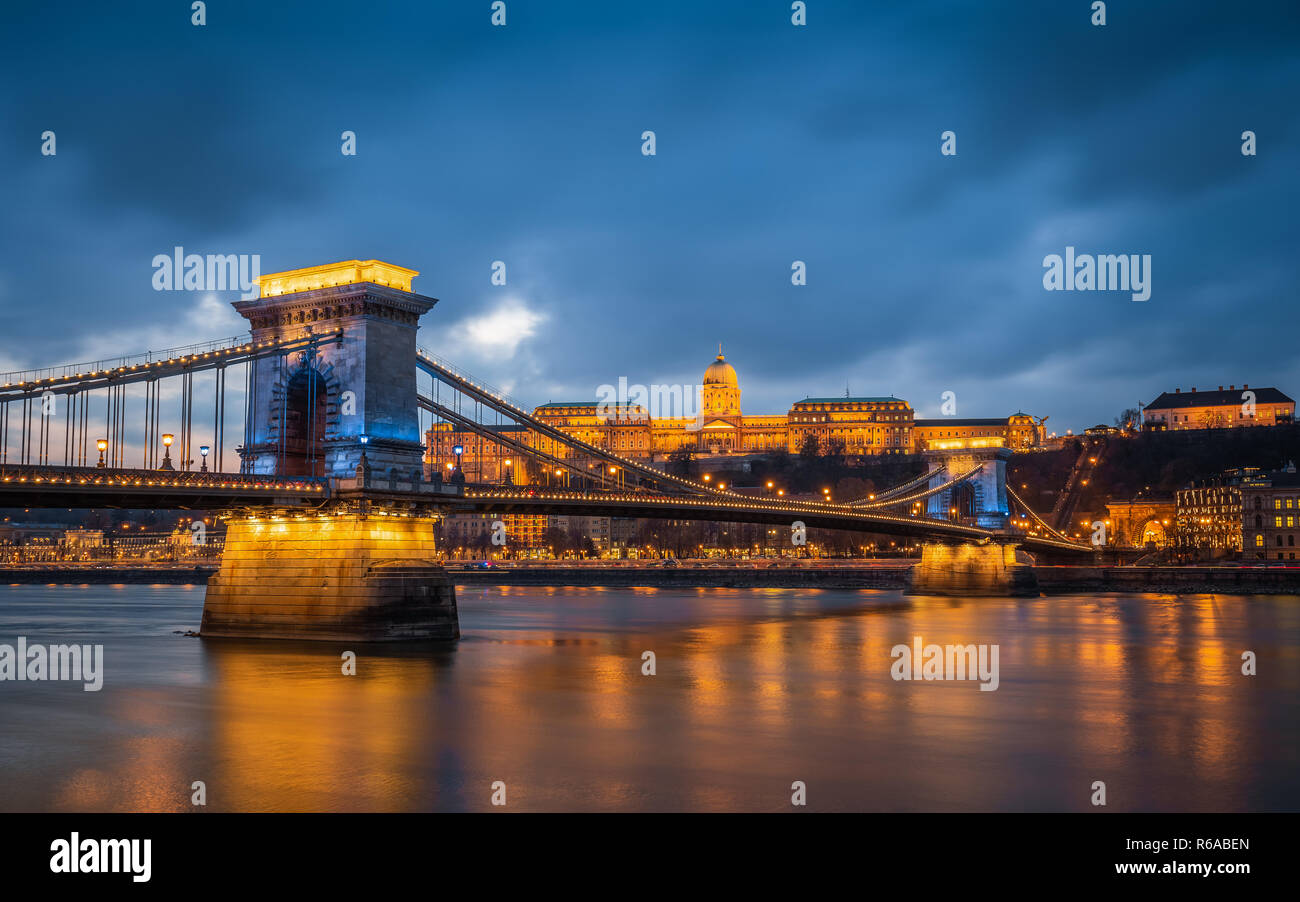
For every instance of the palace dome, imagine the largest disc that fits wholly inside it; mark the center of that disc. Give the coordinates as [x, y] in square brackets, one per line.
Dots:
[721, 373]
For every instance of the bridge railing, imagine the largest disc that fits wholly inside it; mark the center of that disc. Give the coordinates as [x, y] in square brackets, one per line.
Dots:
[111, 476]
[146, 357]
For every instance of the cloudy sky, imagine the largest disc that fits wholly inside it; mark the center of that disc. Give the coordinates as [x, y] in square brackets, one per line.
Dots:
[775, 143]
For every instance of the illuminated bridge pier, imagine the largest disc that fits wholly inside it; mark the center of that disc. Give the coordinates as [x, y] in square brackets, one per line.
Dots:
[969, 485]
[362, 568]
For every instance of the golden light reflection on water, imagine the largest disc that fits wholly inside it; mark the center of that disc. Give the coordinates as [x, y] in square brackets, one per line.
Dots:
[753, 690]
[306, 725]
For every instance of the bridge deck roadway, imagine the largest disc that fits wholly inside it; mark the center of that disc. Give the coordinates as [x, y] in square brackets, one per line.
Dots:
[81, 487]
[78, 487]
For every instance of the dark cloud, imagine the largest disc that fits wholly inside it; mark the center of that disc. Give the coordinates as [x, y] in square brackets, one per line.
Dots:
[775, 144]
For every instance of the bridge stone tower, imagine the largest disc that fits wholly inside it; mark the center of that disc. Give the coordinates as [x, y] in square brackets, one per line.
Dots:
[310, 410]
[983, 496]
[989, 568]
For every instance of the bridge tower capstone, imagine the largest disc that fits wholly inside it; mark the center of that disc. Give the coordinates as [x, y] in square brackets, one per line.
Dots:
[314, 412]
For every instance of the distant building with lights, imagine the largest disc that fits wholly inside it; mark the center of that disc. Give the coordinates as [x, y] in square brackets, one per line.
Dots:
[1229, 408]
[470, 534]
[1018, 431]
[1270, 515]
[1209, 515]
[853, 426]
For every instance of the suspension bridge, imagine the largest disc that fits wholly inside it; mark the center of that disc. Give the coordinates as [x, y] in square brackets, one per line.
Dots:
[322, 477]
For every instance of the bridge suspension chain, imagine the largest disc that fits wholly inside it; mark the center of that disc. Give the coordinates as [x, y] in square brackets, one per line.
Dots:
[921, 496]
[1037, 519]
[482, 431]
[896, 490]
[440, 369]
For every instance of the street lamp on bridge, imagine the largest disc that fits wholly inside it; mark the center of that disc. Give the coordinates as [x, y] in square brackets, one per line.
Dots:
[167, 438]
[102, 445]
[203, 452]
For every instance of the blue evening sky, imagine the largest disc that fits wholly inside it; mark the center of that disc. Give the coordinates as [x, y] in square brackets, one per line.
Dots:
[775, 143]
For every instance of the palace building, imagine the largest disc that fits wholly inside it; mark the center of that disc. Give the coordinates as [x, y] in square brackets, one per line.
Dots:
[1230, 409]
[851, 426]
[1018, 431]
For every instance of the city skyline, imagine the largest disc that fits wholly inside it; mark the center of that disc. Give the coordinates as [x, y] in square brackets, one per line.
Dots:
[924, 271]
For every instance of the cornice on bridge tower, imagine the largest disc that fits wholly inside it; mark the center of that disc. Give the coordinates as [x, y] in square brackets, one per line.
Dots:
[299, 299]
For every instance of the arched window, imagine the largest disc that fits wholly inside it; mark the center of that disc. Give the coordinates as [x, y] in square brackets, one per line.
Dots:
[304, 425]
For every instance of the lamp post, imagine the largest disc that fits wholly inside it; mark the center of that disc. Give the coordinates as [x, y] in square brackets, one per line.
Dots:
[102, 445]
[363, 465]
[203, 452]
[510, 473]
[459, 451]
[167, 451]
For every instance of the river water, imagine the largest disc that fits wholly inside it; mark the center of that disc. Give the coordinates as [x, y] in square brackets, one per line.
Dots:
[754, 689]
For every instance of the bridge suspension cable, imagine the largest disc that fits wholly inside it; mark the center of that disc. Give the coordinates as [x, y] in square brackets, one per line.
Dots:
[515, 445]
[442, 370]
[920, 496]
[896, 490]
[1037, 519]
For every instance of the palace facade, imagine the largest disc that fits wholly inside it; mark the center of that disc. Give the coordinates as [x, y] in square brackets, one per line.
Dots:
[852, 426]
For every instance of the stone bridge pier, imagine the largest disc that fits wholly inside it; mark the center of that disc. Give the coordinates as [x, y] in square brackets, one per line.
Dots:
[990, 568]
[365, 569]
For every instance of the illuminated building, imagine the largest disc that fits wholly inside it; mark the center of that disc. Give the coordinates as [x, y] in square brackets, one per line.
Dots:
[1017, 432]
[471, 534]
[1230, 409]
[482, 460]
[619, 427]
[855, 426]
[1270, 519]
[852, 426]
[1209, 514]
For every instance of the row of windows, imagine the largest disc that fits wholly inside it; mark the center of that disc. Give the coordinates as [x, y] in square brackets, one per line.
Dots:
[839, 406]
[1290, 541]
[827, 419]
